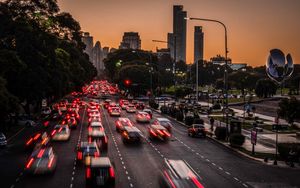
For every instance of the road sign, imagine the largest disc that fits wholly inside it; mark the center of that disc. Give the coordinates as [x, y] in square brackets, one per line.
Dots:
[253, 136]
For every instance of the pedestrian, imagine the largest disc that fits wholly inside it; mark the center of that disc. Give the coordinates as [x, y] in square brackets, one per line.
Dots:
[212, 121]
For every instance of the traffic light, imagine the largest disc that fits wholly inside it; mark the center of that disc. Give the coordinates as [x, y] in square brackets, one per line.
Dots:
[127, 82]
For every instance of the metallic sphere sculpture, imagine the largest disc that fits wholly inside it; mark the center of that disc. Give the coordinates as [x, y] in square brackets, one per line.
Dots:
[278, 67]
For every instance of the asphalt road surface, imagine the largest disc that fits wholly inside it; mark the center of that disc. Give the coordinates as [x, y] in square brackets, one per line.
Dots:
[139, 165]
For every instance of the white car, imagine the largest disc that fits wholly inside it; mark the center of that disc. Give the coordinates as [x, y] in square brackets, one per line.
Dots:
[143, 117]
[61, 133]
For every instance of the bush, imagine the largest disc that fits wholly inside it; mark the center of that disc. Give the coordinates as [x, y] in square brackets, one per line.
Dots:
[189, 120]
[179, 116]
[236, 139]
[198, 121]
[153, 104]
[284, 149]
[220, 133]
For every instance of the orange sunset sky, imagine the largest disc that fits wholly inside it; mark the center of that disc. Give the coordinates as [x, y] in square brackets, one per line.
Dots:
[254, 26]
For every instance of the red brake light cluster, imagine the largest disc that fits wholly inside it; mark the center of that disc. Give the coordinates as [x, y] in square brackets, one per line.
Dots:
[29, 163]
[111, 172]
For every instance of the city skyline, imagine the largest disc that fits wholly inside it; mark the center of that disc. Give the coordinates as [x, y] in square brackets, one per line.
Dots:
[254, 27]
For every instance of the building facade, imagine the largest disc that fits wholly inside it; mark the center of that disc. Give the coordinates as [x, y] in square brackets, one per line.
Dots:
[89, 43]
[131, 40]
[198, 43]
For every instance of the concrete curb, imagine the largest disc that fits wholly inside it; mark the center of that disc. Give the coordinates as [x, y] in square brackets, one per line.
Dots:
[227, 146]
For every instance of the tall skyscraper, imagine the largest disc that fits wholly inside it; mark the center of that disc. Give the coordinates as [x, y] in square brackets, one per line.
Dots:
[171, 44]
[179, 32]
[105, 51]
[198, 43]
[131, 40]
[89, 43]
[98, 57]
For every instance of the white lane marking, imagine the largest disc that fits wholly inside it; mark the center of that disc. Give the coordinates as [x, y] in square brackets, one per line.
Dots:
[228, 173]
[12, 186]
[236, 178]
[213, 164]
[245, 185]
[220, 168]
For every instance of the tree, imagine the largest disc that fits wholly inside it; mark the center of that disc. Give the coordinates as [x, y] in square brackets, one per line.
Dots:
[265, 88]
[289, 109]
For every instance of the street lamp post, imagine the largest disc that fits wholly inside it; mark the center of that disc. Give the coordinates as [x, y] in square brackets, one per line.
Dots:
[226, 64]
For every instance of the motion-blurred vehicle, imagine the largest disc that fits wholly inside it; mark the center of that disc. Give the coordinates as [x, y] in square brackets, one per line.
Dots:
[197, 130]
[179, 173]
[131, 135]
[149, 111]
[41, 161]
[121, 123]
[140, 105]
[41, 139]
[114, 111]
[123, 103]
[87, 150]
[61, 133]
[97, 135]
[142, 117]
[106, 103]
[157, 131]
[130, 108]
[3, 141]
[100, 172]
[164, 122]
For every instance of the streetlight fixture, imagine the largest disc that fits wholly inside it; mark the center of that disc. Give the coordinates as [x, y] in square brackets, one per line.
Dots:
[226, 64]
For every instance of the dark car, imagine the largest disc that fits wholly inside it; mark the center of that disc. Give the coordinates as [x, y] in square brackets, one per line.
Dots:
[140, 106]
[131, 135]
[197, 130]
[3, 141]
[157, 131]
[86, 150]
[100, 172]
[178, 173]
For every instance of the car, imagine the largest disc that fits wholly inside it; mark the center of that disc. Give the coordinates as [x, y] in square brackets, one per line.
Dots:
[62, 107]
[61, 133]
[123, 103]
[121, 123]
[41, 139]
[72, 122]
[94, 112]
[74, 114]
[131, 135]
[140, 105]
[94, 119]
[106, 103]
[164, 122]
[41, 161]
[142, 117]
[157, 131]
[178, 173]
[3, 141]
[197, 130]
[114, 111]
[25, 120]
[100, 172]
[134, 102]
[96, 125]
[46, 111]
[97, 135]
[149, 111]
[130, 108]
[86, 150]
[111, 105]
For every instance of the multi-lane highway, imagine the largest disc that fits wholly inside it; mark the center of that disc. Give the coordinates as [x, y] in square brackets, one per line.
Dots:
[139, 165]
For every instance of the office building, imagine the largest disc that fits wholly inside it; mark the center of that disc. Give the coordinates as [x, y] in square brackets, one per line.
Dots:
[88, 41]
[198, 43]
[179, 32]
[98, 57]
[131, 40]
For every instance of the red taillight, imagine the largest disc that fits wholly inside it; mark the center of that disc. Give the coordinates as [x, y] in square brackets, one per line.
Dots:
[140, 116]
[60, 129]
[166, 133]
[77, 116]
[50, 162]
[90, 139]
[96, 154]
[169, 179]
[29, 163]
[46, 123]
[41, 152]
[195, 180]
[37, 136]
[148, 116]
[29, 141]
[152, 132]
[88, 173]
[79, 155]
[160, 132]
[53, 132]
[105, 139]
[118, 123]
[111, 172]
[90, 119]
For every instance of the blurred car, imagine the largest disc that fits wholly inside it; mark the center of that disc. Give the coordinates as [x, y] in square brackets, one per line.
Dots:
[87, 150]
[3, 141]
[142, 117]
[130, 108]
[197, 130]
[106, 103]
[61, 133]
[96, 125]
[98, 136]
[111, 105]
[41, 161]
[164, 122]
[123, 104]
[140, 105]
[121, 123]
[179, 173]
[100, 172]
[157, 131]
[41, 139]
[114, 111]
[149, 111]
[131, 135]
[46, 111]
[95, 119]
[134, 102]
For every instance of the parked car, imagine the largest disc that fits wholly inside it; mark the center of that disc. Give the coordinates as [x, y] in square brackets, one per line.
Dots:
[197, 130]
[3, 141]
